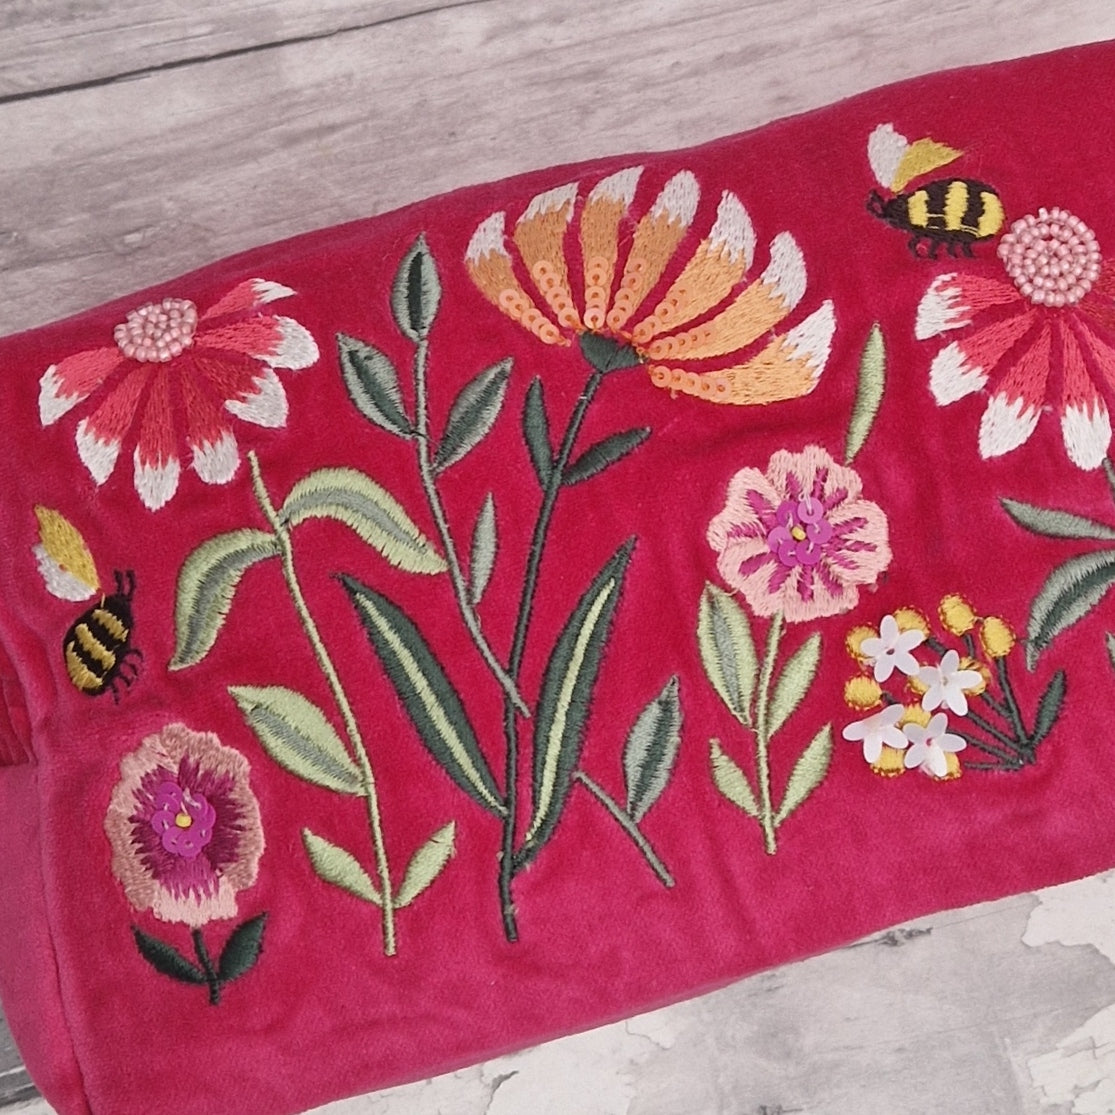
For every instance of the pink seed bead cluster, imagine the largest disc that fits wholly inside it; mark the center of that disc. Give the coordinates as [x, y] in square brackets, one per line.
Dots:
[159, 331]
[1052, 257]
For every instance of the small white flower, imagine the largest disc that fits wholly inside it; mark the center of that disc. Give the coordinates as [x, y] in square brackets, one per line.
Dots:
[945, 684]
[892, 649]
[929, 746]
[877, 730]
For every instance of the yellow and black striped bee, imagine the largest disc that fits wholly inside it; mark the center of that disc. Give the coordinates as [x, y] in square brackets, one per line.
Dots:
[952, 211]
[97, 649]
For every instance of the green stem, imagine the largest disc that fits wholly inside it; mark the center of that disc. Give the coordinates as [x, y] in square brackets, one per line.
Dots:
[762, 739]
[437, 508]
[206, 962]
[628, 825]
[992, 731]
[507, 868]
[1010, 757]
[1014, 712]
[359, 751]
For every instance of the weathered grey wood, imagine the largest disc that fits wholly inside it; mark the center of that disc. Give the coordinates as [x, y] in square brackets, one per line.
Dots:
[15, 1086]
[110, 188]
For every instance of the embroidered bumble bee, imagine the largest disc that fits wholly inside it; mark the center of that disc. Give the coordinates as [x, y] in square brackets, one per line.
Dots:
[952, 211]
[97, 649]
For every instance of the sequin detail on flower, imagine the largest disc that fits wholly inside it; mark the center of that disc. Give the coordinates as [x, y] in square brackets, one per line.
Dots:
[712, 332]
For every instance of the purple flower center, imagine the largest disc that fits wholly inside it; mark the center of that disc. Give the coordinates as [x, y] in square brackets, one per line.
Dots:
[183, 820]
[801, 533]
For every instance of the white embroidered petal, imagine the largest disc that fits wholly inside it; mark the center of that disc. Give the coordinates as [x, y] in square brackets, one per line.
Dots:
[678, 199]
[52, 402]
[786, 271]
[295, 348]
[811, 339]
[266, 405]
[98, 456]
[733, 233]
[551, 201]
[952, 377]
[156, 483]
[267, 291]
[488, 239]
[216, 462]
[617, 187]
[1005, 425]
[60, 582]
[1087, 435]
[885, 148]
[940, 309]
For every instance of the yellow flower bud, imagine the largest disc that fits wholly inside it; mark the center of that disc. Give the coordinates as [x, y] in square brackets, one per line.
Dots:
[997, 637]
[910, 619]
[853, 641]
[957, 614]
[863, 693]
[890, 763]
[955, 770]
[914, 714]
[916, 685]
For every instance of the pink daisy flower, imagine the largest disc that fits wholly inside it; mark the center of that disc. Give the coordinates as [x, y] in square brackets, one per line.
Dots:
[171, 363]
[1045, 331]
[799, 539]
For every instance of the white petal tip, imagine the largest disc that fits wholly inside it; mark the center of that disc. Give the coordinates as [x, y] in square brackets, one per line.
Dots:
[951, 377]
[295, 349]
[617, 187]
[551, 201]
[487, 239]
[940, 309]
[1005, 426]
[216, 462]
[267, 291]
[156, 483]
[811, 340]
[678, 199]
[98, 456]
[885, 148]
[1087, 434]
[52, 403]
[266, 405]
[785, 273]
[733, 231]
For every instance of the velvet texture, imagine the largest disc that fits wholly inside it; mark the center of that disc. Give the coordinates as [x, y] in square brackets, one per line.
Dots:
[311, 1007]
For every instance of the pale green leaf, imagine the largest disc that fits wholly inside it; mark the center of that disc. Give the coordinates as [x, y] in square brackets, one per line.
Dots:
[794, 682]
[336, 866]
[352, 498]
[651, 750]
[296, 734]
[207, 582]
[473, 414]
[1070, 592]
[808, 772]
[869, 392]
[416, 292]
[731, 781]
[426, 864]
[1056, 524]
[728, 651]
[485, 543]
[373, 385]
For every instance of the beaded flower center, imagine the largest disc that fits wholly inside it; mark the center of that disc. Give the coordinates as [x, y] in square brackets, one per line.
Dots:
[1052, 257]
[159, 331]
[183, 820]
[801, 533]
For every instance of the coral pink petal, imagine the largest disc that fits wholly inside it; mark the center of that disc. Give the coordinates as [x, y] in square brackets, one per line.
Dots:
[257, 336]
[1099, 353]
[1014, 407]
[67, 383]
[246, 296]
[964, 365]
[1085, 422]
[952, 301]
[99, 436]
[156, 455]
[215, 454]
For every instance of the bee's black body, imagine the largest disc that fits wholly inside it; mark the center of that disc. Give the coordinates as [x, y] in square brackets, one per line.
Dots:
[97, 647]
[952, 211]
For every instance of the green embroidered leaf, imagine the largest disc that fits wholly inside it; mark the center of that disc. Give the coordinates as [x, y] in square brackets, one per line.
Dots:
[296, 734]
[651, 750]
[432, 703]
[426, 865]
[242, 949]
[731, 781]
[1049, 707]
[207, 582]
[728, 651]
[484, 546]
[1056, 524]
[340, 868]
[536, 432]
[607, 355]
[350, 497]
[604, 453]
[869, 392]
[563, 705]
[473, 414]
[1070, 592]
[808, 772]
[416, 292]
[1110, 647]
[373, 385]
[794, 682]
[166, 958]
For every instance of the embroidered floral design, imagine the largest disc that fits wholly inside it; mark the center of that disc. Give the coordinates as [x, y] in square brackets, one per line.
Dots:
[168, 360]
[910, 727]
[1044, 331]
[701, 337]
[799, 539]
[186, 838]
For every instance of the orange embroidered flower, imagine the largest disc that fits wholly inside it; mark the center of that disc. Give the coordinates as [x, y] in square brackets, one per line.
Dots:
[696, 326]
[169, 360]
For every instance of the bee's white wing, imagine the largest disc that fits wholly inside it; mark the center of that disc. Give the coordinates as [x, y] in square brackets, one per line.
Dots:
[64, 560]
[885, 149]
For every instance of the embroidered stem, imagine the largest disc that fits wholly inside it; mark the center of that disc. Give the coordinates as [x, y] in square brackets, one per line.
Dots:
[507, 868]
[356, 742]
[206, 962]
[992, 731]
[628, 825]
[1014, 713]
[762, 740]
[1009, 759]
[437, 509]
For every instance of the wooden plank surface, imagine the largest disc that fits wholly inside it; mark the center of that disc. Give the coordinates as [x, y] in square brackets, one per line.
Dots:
[146, 138]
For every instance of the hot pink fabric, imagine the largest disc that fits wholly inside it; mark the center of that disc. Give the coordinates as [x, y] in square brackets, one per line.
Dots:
[321, 1011]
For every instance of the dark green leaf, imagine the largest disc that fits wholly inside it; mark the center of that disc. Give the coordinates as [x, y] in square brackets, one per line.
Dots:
[242, 949]
[484, 546]
[432, 703]
[1110, 647]
[607, 355]
[206, 584]
[794, 682]
[1070, 592]
[651, 750]
[340, 868]
[416, 292]
[167, 959]
[297, 735]
[563, 705]
[808, 772]
[348, 496]
[869, 392]
[472, 415]
[1049, 707]
[373, 385]
[426, 864]
[731, 781]
[728, 651]
[604, 453]
[1056, 524]
[536, 431]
